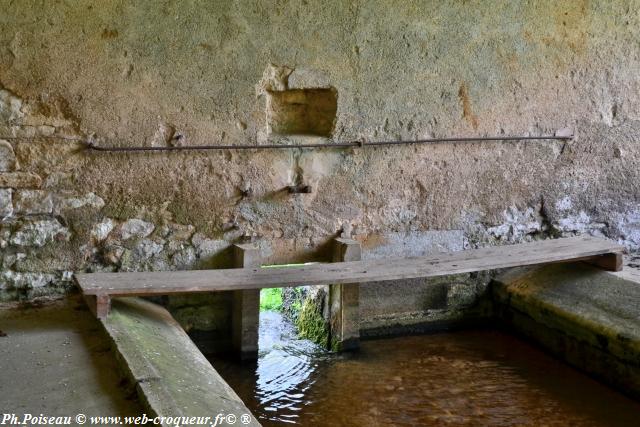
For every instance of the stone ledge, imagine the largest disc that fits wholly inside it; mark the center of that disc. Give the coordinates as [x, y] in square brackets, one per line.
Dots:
[586, 316]
[171, 376]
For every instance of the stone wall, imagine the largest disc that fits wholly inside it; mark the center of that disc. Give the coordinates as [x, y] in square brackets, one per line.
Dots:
[193, 73]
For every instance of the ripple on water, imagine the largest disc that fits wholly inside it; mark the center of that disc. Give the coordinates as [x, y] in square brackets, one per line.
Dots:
[472, 378]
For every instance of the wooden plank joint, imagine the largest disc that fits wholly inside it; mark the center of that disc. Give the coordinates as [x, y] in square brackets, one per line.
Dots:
[245, 313]
[100, 304]
[609, 262]
[344, 300]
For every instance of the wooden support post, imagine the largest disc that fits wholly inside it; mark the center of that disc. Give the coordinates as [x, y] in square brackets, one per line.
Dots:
[246, 306]
[609, 262]
[344, 301]
[100, 305]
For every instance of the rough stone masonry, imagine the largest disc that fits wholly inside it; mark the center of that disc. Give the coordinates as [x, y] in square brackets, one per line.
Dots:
[192, 73]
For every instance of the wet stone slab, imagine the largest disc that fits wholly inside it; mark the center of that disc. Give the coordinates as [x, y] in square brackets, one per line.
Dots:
[172, 377]
[588, 317]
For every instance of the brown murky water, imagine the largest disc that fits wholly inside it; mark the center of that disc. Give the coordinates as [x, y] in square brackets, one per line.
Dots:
[472, 378]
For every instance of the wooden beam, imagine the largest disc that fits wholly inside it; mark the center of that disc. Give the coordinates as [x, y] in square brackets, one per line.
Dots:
[344, 301]
[245, 315]
[99, 305]
[168, 282]
[609, 262]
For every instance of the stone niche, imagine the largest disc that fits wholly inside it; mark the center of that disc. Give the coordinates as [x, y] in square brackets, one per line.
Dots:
[309, 111]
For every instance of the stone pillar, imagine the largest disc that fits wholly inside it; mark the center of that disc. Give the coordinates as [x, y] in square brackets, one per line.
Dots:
[246, 306]
[344, 301]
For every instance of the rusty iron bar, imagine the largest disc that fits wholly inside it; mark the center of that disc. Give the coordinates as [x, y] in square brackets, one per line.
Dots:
[352, 144]
[94, 147]
[91, 145]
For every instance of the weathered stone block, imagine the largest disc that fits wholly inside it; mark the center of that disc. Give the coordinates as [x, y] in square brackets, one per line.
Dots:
[32, 202]
[19, 180]
[628, 224]
[10, 259]
[13, 279]
[112, 254]
[136, 228]
[518, 224]
[184, 259]
[51, 259]
[89, 200]
[10, 107]
[145, 255]
[146, 249]
[6, 204]
[101, 230]
[5, 233]
[208, 247]
[7, 157]
[39, 233]
[177, 232]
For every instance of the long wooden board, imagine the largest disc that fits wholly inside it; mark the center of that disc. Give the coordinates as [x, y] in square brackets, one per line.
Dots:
[599, 251]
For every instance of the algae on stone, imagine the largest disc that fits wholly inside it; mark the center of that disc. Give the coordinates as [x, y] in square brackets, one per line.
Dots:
[311, 323]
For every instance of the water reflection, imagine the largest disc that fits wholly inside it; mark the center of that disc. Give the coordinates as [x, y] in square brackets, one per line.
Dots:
[472, 378]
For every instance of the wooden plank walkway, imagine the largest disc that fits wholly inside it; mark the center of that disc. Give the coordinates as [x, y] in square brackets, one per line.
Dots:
[99, 287]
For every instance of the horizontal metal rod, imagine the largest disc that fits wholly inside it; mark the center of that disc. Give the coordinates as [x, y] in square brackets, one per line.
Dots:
[354, 144]
[58, 137]
[221, 147]
[90, 145]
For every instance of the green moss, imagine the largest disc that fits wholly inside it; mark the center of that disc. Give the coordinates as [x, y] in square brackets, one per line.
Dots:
[335, 345]
[292, 303]
[311, 324]
[271, 299]
[296, 306]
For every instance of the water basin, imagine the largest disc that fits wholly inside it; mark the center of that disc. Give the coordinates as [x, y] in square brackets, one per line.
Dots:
[467, 378]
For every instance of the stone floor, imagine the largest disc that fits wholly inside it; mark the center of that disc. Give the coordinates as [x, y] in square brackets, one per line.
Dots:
[55, 360]
[631, 270]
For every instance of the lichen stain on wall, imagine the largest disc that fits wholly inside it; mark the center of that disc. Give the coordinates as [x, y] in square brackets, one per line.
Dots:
[467, 112]
[176, 73]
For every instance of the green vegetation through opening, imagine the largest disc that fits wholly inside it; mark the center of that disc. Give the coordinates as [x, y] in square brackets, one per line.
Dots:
[271, 298]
